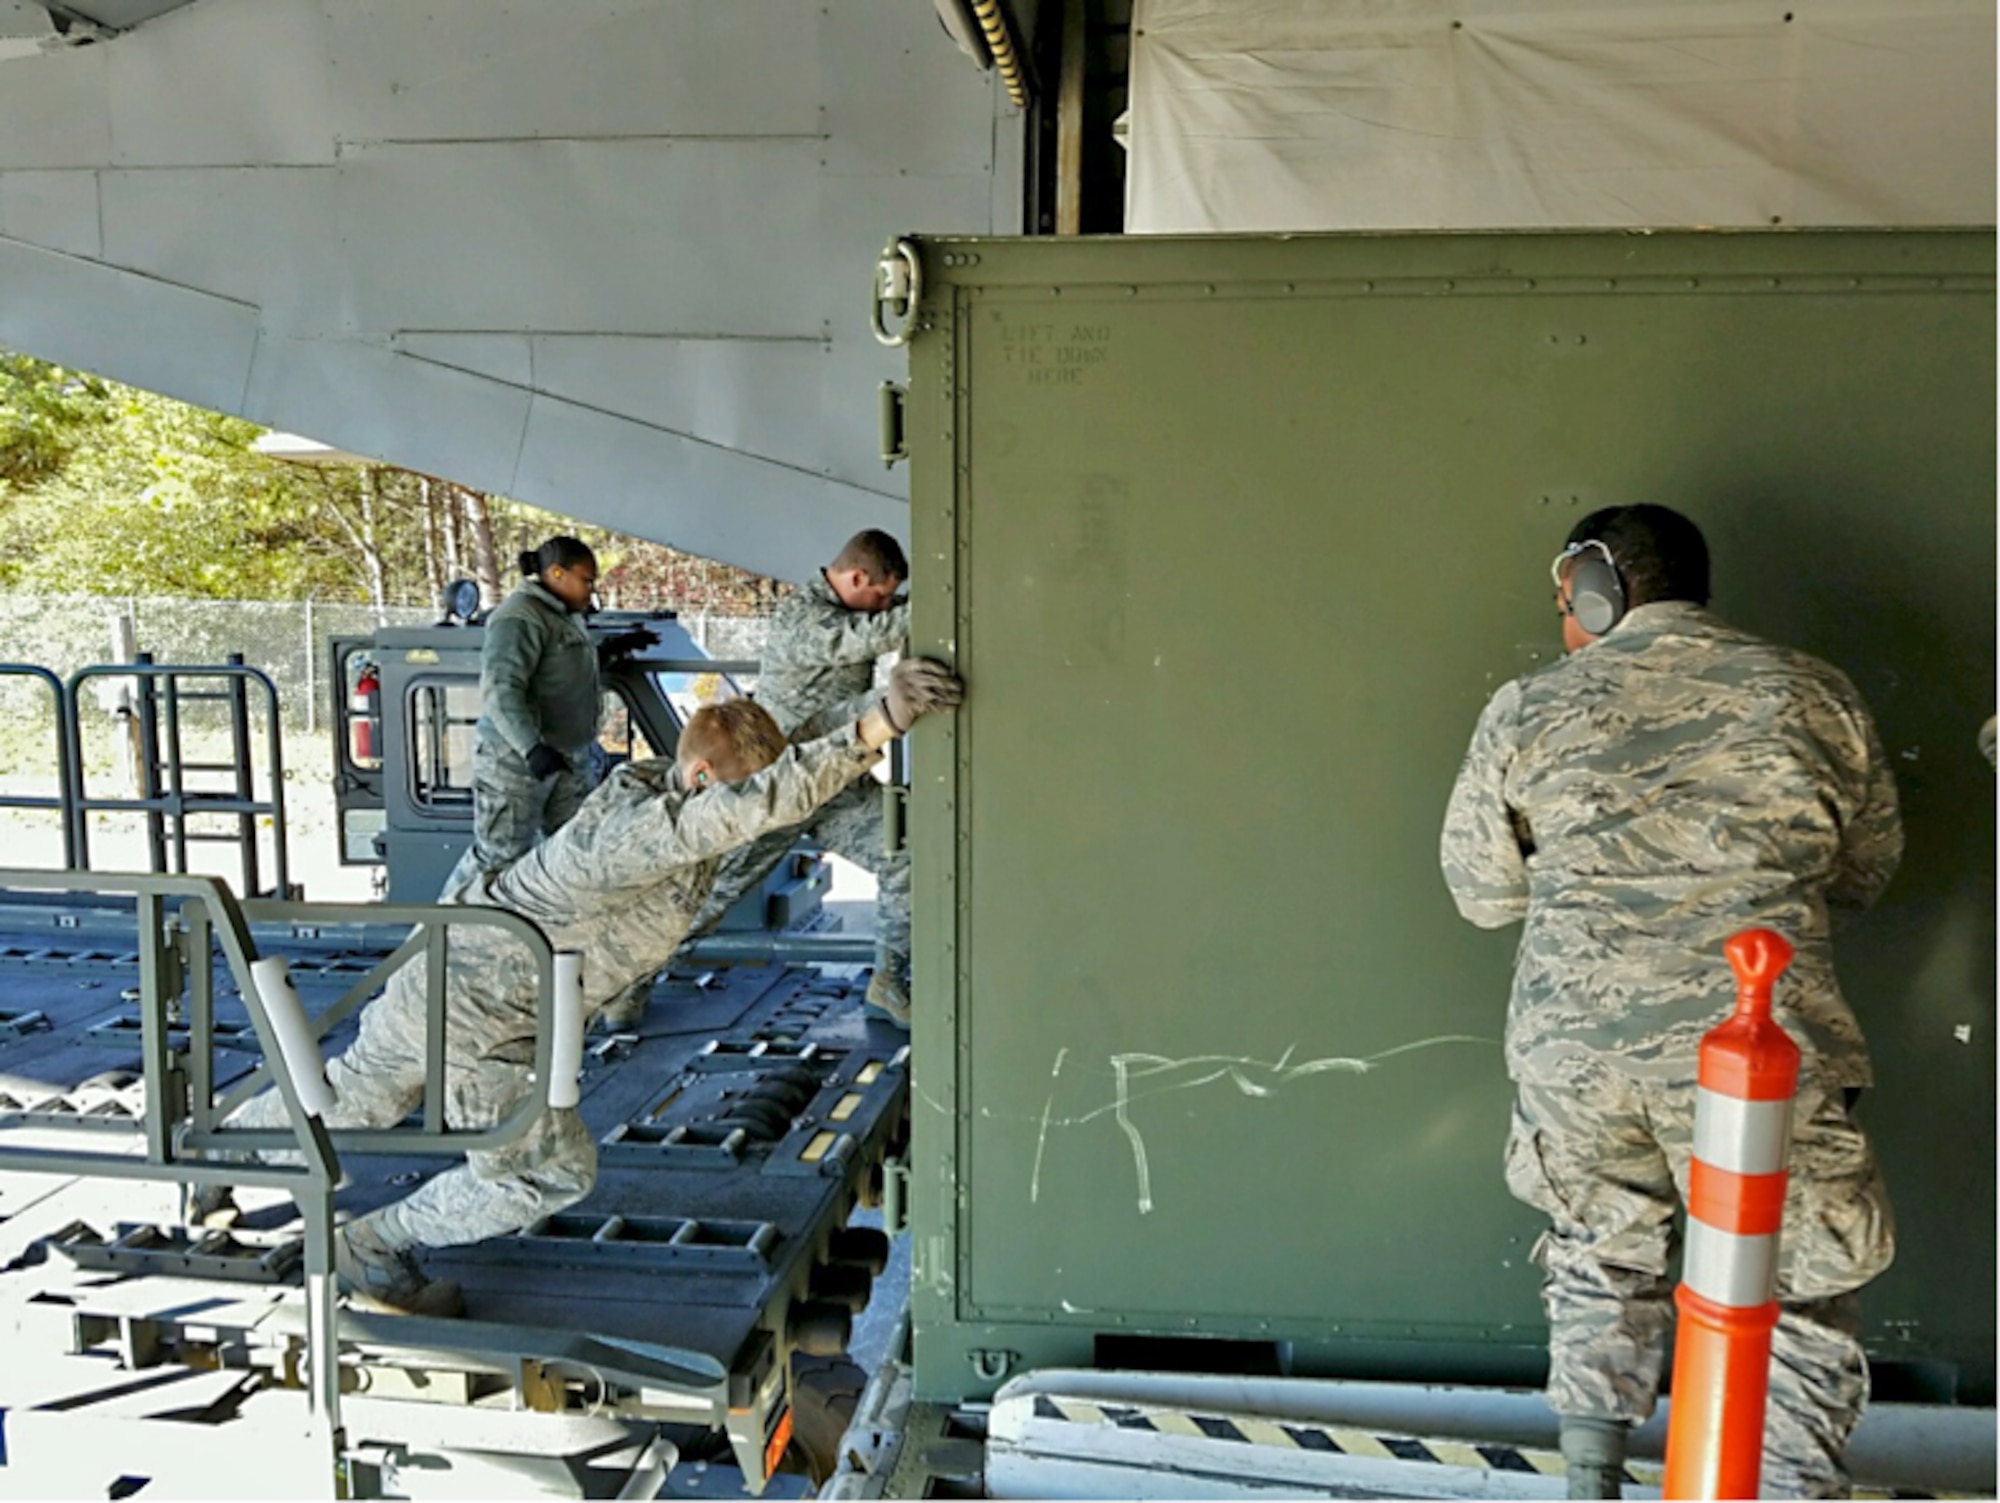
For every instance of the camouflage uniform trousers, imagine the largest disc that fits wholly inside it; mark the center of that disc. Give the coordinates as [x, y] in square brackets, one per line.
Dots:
[1605, 1156]
[380, 1080]
[850, 826]
[512, 808]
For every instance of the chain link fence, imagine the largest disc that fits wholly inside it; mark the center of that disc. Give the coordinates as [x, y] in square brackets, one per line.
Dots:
[729, 636]
[286, 639]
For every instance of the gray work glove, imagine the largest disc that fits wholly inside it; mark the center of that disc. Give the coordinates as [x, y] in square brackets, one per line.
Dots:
[917, 686]
[545, 761]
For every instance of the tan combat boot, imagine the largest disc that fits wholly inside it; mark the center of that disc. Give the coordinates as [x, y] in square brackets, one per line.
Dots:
[887, 1000]
[1593, 1452]
[210, 1207]
[623, 1012]
[384, 1278]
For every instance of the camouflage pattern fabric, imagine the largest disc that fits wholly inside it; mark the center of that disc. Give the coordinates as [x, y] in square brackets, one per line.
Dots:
[1643, 799]
[512, 808]
[379, 1081]
[621, 882]
[537, 684]
[742, 869]
[818, 662]
[1637, 803]
[817, 671]
[850, 826]
[1605, 1156]
[538, 675]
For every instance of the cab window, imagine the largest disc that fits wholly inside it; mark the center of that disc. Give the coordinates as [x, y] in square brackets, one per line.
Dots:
[688, 692]
[443, 714]
[619, 735]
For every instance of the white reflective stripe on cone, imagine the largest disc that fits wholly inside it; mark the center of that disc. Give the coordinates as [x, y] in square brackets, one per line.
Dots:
[1732, 1270]
[1744, 1137]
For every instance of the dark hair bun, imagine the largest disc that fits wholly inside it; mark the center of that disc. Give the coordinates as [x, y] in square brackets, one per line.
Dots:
[529, 564]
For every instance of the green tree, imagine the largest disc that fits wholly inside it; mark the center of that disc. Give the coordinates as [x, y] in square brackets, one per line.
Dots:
[46, 412]
[107, 490]
[163, 498]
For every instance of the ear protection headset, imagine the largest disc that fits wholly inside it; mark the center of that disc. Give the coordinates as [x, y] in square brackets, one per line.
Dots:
[1596, 593]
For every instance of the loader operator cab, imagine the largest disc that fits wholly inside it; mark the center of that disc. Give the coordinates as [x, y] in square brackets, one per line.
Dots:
[405, 704]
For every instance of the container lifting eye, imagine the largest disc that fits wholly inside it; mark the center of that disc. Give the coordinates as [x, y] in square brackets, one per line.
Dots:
[899, 290]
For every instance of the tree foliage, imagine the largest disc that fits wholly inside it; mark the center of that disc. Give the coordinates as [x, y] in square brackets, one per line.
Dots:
[46, 412]
[106, 490]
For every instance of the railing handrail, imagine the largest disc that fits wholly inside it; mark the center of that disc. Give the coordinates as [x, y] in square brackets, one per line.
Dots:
[64, 768]
[178, 802]
[150, 890]
[310, 1183]
[429, 925]
[213, 914]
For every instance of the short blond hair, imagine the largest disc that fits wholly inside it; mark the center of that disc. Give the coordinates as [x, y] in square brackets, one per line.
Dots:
[736, 738]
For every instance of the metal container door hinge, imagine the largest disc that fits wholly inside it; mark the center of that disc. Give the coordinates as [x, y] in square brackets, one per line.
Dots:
[895, 802]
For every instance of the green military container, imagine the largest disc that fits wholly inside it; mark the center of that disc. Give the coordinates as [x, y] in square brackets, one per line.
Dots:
[1233, 537]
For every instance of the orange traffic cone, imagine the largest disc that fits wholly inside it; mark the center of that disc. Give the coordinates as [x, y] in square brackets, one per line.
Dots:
[1736, 1204]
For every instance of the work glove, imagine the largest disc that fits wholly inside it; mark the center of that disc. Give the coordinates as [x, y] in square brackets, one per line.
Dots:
[918, 686]
[627, 642]
[545, 761]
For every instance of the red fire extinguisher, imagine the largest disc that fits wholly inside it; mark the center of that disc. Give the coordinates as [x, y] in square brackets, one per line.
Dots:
[364, 707]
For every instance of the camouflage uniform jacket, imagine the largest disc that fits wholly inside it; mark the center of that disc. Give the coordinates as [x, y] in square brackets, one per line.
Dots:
[537, 674]
[1643, 799]
[623, 881]
[818, 663]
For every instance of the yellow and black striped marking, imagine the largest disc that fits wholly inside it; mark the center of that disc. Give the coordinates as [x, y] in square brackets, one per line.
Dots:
[1334, 1440]
[1331, 1440]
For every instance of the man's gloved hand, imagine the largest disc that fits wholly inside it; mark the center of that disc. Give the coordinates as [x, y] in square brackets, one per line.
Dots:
[545, 761]
[627, 642]
[917, 686]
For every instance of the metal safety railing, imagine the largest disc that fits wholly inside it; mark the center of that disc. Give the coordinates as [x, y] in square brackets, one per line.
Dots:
[60, 800]
[165, 797]
[430, 939]
[310, 1181]
[182, 920]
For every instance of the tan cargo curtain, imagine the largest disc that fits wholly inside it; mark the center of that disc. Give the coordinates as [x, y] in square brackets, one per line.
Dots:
[1418, 114]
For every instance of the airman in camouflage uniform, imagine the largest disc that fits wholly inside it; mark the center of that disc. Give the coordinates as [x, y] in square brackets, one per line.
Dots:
[622, 883]
[539, 692]
[1664, 786]
[817, 667]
